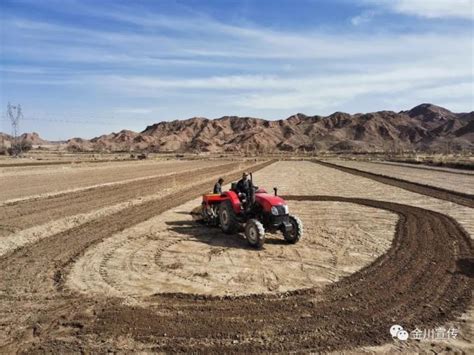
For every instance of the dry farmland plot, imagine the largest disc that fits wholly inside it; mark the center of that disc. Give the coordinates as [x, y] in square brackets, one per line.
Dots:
[427, 167]
[314, 179]
[148, 278]
[17, 183]
[452, 180]
[28, 220]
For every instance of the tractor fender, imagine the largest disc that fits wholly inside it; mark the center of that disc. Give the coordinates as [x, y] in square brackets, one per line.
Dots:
[234, 200]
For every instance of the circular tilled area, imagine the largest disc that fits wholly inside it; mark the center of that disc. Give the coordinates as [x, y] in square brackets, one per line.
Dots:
[171, 253]
[423, 279]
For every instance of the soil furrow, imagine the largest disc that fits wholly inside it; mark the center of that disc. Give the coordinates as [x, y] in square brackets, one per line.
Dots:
[25, 214]
[32, 276]
[418, 283]
[432, 191]
[425, 279]
[427, 167]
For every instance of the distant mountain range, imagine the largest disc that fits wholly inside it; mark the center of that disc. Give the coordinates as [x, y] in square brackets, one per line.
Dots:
[424, 127]
[32, 138]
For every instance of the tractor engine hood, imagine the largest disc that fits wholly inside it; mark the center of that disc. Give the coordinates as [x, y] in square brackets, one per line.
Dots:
[267, 201]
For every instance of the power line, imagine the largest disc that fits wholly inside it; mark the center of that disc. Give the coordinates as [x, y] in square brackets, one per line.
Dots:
[98, 122]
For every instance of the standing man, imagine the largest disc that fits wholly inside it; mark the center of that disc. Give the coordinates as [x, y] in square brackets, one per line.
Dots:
[218, 186]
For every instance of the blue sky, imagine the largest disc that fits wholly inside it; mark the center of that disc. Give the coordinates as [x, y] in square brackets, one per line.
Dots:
[84, 68]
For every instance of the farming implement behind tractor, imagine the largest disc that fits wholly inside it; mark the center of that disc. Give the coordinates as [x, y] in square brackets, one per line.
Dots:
[258, 213]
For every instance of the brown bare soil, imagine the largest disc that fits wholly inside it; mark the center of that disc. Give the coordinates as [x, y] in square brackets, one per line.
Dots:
[25, 182]
[173, 253]
[460, 198]
[9, 164]
[23, 214]
[452, 180]
[307, 178]
[428, 167]
[423, 279]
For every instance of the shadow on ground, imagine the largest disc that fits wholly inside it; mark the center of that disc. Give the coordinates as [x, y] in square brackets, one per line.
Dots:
[213, 235]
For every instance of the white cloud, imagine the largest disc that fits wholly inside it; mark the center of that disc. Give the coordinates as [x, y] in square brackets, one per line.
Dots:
[430, 8]
[239, 67]
[75, 45]
[315, 93]
[363, 18]
[262, 82]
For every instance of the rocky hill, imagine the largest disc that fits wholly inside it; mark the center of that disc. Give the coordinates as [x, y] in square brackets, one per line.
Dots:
[31, 138]
[425, 127]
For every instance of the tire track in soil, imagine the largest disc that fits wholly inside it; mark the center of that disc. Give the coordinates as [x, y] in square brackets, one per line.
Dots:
[425, 279]
[428, 190]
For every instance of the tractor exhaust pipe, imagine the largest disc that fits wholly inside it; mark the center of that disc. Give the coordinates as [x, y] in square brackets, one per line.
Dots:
[276, 191]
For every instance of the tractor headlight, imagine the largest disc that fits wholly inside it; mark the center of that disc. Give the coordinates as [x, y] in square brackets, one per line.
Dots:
[279, 210]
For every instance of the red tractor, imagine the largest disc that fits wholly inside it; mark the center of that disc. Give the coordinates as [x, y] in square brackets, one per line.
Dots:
[258, 213]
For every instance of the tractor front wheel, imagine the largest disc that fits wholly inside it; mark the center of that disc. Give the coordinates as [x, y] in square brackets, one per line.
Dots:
[296, 232]
[255, 233]
[227, 219]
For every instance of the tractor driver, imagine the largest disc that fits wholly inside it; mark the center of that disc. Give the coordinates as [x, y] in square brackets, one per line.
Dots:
[244, 186]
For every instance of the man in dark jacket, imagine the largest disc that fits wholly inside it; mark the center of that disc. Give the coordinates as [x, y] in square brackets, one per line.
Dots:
[244, 189]
[243, 186]
[218, 186]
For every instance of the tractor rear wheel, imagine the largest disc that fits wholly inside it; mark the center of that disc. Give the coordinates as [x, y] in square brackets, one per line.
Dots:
[227, 219]
[255, 233]
[296, 232]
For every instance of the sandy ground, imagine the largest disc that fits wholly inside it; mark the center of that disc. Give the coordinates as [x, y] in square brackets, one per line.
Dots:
[453, 181]
[427, 167]
[13, 238]
[307, 178]
[172, 253]
[347, 280]
[24, 182]
[30, 220]
[462, 344]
